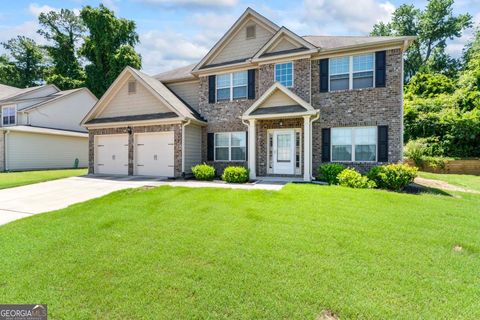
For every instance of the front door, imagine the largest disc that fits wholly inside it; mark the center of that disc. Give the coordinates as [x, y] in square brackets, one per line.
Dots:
[284, 151]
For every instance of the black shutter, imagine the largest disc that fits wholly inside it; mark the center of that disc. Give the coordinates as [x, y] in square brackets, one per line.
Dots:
[246, 146]
[211, 89]
[380, 69]
[323, 75]
[382, 143]
[326, 145]
[251, 84]
[210, 146]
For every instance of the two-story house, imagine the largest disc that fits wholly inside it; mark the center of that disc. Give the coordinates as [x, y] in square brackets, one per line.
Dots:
[40, 127]
[263, 97]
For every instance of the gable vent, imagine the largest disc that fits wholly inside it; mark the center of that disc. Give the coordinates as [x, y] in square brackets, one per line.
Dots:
[132, 87]
[251, 32]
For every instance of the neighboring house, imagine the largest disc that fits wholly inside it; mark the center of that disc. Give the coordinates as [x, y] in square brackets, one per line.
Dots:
[263, 97]
[40, 127]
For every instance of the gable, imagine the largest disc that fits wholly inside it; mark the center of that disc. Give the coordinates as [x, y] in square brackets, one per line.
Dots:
[139, 103]
[239, 47]
[283, 45]
[278, 99]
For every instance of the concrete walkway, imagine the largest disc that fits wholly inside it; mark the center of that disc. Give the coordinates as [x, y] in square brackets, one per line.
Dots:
[20, 202]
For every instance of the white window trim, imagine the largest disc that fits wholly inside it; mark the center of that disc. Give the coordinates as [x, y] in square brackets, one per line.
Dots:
[229, 146]
[14, 106]
[230, 87]
[350, 72]
[293, 73]
[298, 170]
[353, 145]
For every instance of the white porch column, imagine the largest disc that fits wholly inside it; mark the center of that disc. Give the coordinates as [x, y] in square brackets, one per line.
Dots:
[307, 174]
[251, 149]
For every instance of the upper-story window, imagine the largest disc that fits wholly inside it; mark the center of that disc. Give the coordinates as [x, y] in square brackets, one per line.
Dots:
[232, 86]
[351, 72]
[9, 115]
[284, 74]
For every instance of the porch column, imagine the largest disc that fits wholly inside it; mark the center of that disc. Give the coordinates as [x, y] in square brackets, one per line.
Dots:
[251, 149]
[306, 148]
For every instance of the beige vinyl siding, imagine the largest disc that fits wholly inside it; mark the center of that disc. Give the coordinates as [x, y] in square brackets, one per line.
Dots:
[26, 151]
[239, 47]
[278, 99]
[283, 45]
[193, 147]
[64, 113]
[187, 91]
[141, 102]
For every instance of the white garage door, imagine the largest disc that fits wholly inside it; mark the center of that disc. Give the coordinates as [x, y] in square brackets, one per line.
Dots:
[154, 155]
[111, 154]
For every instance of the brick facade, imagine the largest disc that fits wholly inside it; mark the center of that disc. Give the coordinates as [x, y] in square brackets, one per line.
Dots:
[177, 136]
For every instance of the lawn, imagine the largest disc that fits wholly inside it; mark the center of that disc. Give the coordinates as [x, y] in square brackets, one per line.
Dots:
[180, 253]
[462, 180]
[15, 179]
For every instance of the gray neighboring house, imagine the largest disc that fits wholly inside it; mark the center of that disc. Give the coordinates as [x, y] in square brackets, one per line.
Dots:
[40, 127]
[263, 97]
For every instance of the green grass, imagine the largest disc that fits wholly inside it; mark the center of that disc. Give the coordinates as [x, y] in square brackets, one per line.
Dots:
[180, 253]
[462, 180]
[15, 179]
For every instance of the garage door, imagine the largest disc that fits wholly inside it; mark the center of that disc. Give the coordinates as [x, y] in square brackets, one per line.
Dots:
[154, 155]
[111, 154]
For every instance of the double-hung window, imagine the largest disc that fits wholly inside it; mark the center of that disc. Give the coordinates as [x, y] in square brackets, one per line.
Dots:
[232, 86]
[230, 146]
[9, 115]
[351, 72]
[284, 74]
[354, 144]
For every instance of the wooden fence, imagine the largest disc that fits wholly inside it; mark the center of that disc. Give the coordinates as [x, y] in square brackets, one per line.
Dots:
[454, 166]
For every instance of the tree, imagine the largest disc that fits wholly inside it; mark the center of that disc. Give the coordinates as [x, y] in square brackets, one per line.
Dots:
[109, 47]
[9, 74]
[28, 60]
[433, 27]
[64, 29]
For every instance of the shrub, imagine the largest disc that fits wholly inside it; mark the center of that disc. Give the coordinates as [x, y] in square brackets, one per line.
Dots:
[329, 172]
[235, 174]
[392, 176]
[203, 172]
[352, 179]
[416, 150]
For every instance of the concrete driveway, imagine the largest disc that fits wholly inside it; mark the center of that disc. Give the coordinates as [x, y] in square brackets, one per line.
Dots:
[20, 202]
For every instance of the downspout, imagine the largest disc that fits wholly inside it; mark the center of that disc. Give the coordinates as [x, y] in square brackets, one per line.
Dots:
[311, 143]
[5, 143]
[183, 145]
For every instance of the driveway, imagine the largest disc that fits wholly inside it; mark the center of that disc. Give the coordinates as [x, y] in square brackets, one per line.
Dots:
[21, 202]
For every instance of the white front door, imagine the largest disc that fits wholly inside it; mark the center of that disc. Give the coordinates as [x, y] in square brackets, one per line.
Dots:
[154, 154]
[284, 151]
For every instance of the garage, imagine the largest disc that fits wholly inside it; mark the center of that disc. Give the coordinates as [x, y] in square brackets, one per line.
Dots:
[111, 154]
[154, 154]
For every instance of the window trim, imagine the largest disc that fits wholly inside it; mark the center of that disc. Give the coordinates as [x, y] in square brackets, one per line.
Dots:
[298, 170]
[293, 73]
[350, 71]
[14, 106]
[353, 145]
[231, 87]
[229, 146]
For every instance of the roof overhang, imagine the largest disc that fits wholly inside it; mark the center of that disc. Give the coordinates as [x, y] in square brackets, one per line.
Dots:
[42, 130]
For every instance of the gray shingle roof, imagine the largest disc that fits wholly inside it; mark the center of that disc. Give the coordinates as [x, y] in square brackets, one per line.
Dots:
[181, 73]
[279, 110]
[333, 42]
[6, 91]
[150, 116]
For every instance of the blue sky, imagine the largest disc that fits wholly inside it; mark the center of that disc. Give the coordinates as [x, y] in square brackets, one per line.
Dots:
[178, 32]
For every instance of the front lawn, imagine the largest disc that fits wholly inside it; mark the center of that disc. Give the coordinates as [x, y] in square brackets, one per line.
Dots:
[180, 253]
[462, 180]
[15, 179]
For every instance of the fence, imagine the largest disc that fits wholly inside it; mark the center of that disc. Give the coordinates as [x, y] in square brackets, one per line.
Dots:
[454, 166]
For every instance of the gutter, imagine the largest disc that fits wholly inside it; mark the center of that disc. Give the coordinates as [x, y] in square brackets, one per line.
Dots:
[5, 140]
[183, 145]
[311, 143]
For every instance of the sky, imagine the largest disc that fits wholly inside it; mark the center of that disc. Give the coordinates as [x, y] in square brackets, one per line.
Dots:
[175, 33]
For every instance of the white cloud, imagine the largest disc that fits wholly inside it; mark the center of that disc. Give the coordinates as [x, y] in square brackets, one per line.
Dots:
[28, 29]
[112, 5]
[36, 9]
[194, 3]
[455, 47]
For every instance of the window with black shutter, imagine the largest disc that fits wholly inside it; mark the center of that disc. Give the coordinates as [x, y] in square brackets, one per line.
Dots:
[380, 69]
[382, 143]
[211, 89]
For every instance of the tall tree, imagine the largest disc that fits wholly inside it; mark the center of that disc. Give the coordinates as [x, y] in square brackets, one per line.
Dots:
[433, 26]
[28, 60]
[63, 29]
[109, 47]
[9, 74]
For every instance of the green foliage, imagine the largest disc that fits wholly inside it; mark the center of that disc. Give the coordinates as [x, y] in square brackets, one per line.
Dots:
[27, 64]
[433, 26]
[9, 73]
[203, 172]
[392, 176]
[235, 174]
[329, 172]
[108, 47]
[429, 85]
[353, 179]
